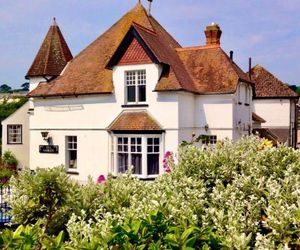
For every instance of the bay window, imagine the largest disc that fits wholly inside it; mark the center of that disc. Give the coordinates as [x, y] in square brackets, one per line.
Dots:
[142, 152]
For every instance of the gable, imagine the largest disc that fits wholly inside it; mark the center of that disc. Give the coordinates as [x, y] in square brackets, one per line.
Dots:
[132, 49]
[134, 54]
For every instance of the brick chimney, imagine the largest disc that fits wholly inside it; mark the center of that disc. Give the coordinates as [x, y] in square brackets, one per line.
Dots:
[213, 34]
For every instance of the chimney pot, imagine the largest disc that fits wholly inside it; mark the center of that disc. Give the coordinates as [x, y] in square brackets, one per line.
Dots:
[213, 34]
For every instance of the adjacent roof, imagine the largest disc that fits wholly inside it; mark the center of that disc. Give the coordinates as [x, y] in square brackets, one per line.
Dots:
[52, 56]
[257, 118]
[201, 70]
[211, 69]
[267, 134]
[134, 121]
[267, 85]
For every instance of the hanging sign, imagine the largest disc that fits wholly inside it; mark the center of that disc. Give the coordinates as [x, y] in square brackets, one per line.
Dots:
[48, 149]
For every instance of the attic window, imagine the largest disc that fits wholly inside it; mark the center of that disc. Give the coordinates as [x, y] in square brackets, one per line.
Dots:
[135, 82]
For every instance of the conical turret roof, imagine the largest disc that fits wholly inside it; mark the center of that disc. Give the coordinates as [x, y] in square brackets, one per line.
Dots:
[52, 56]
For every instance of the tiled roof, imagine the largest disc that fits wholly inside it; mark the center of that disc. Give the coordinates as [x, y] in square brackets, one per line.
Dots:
[199, 70]
[257, 118]
[52, 56]
[267, 85]
[135, 54]
[211, 69]
[134, 121]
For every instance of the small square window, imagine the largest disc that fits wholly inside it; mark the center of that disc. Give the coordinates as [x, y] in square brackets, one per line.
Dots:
[14, 134]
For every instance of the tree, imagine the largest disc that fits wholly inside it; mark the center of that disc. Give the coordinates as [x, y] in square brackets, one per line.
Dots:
[5, 88]
[25, 86]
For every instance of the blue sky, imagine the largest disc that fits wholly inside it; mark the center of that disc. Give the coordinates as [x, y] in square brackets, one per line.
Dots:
[266, 30]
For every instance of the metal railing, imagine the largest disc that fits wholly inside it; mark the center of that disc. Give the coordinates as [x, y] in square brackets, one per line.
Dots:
[5, 193]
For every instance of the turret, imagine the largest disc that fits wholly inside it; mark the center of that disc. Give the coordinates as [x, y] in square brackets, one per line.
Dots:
[52, 57]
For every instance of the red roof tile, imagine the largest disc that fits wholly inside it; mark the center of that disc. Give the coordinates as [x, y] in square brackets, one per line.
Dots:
[267, 85]
[135, 54]
[211, 69]
[52, 56]
[199, 70]
[134, 121]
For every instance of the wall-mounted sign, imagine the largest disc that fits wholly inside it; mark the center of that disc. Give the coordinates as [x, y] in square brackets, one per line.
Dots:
[48, 149]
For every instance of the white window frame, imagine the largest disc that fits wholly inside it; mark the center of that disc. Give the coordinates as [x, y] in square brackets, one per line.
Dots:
[14, 131]
[211, 140]
[135, 82]
[71, 146]
[144, 137]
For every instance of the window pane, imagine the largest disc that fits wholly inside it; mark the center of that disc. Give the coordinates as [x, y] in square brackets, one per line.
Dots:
[153, 163]
[156, 140]
[122, 162]
[149, 141]
[136, 162]
[14, 134]
[156, 149]
[71, 147]
[149, 149]
[131, 93]
[142, 93]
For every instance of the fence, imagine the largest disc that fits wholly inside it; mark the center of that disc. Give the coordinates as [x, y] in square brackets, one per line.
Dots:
[5, 193]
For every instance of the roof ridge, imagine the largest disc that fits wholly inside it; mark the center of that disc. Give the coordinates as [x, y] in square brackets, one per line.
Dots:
[191, 48]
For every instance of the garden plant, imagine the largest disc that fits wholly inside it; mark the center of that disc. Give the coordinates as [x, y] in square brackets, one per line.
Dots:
[242, 195]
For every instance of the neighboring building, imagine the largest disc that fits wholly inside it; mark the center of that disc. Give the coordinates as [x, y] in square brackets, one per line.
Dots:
[15, 135]
[275, 103]
[130, 96]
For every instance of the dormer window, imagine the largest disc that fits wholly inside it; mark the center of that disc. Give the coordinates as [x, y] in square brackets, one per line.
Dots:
[135, 82]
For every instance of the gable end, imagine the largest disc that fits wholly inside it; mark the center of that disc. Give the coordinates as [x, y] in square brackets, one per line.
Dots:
[132, 50]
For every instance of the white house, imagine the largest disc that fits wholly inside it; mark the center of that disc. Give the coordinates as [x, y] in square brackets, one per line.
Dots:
[130, 96]
[275, 103]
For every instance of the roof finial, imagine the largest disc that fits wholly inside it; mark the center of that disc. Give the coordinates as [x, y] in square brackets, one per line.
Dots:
[149, 9]
[54, 21]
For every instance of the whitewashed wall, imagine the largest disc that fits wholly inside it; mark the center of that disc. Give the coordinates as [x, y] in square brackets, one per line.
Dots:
[276, 112]
[242, 118]
[21, 151]
[88, 118]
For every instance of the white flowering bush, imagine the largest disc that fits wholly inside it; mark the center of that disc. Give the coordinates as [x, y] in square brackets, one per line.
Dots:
[242, 195]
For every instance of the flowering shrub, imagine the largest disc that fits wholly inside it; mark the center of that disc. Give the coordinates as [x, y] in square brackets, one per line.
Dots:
[242, 195]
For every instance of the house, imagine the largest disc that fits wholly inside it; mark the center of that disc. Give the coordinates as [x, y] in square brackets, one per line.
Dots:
[275, 103]
[130, 96]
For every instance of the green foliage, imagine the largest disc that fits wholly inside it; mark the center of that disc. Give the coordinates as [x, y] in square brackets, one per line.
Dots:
[9, 159]
[242, 195]
[30, 237]
[49, 197]
[5, 174]
[4, 88]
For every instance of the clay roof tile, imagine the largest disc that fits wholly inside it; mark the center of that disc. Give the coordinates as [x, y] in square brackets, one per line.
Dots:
[268, 85]
[52, 56]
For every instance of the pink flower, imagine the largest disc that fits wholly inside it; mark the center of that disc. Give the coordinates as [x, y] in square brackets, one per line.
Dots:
[168, 154]
[168, 158]
[101, 179]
